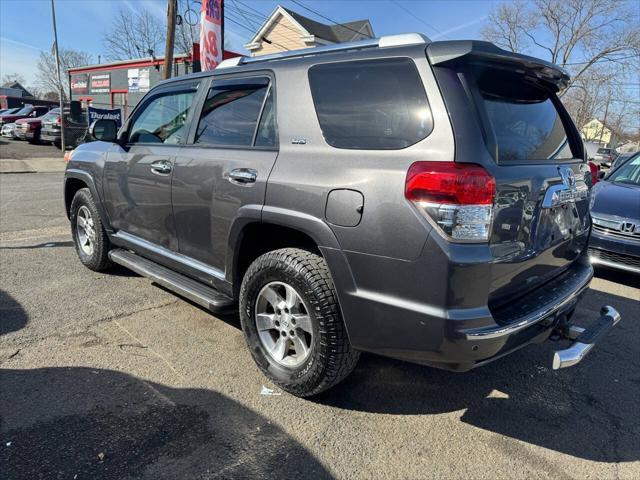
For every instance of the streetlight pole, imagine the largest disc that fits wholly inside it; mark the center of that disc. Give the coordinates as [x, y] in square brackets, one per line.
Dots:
[60, 88]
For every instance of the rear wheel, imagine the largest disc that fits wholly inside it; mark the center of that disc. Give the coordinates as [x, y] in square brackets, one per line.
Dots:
[292, 322]
[89, 236]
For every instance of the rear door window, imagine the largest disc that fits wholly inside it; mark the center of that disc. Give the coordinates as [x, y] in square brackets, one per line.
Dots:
[371, 104]
[231, 113]
[524, 119]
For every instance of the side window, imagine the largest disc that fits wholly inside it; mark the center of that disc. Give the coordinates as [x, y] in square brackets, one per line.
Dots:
[162, 120]
[267, 135]
[371, 104]
[231, 111]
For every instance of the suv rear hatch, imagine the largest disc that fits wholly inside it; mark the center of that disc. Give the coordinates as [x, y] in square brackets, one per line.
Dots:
[507, 118]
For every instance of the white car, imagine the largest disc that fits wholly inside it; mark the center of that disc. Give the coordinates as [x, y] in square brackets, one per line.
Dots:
[8, 130]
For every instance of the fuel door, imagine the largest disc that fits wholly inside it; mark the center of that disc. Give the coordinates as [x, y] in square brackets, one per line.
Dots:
[344, 207]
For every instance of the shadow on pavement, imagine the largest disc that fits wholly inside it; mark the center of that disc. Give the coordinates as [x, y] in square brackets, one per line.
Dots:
[588, 411]
[67, 243]
[99, 424]
[12, 315]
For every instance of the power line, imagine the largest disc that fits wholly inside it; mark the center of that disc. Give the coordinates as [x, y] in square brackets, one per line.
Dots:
[604, 60]
[329, 19]
[241, 12]
[236, 22]
[417, 18]
[262, 17]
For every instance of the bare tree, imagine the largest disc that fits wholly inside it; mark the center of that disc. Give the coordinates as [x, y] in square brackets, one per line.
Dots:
[11, 78]
[133, 35]
[597, 41]
[575, 34]
[47, 75]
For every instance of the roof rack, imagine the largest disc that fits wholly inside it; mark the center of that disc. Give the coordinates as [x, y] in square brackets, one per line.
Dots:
[382, 42]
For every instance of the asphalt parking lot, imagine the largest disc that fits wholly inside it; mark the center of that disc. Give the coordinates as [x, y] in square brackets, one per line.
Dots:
[21, 149]
[109, 376]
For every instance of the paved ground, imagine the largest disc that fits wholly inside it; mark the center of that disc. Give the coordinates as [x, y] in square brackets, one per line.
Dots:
[108, 376]
[23, 150]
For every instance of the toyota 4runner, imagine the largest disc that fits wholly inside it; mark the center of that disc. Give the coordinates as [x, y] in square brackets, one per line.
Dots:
[428, 201]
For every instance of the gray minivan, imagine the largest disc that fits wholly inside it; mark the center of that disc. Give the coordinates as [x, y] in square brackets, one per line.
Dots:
[422, 200]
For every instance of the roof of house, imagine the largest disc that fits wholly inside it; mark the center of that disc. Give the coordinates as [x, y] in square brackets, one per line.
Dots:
[343, 32]
[337, 33]
[18, 86]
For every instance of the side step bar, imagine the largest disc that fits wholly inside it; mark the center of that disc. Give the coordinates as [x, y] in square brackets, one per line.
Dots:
[584, 339]
[193, 290]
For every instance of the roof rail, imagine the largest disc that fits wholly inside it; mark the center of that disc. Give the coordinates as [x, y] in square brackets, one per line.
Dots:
[382, 42]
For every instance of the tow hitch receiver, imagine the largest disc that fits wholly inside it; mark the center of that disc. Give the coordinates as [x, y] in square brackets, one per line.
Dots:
[584, 339]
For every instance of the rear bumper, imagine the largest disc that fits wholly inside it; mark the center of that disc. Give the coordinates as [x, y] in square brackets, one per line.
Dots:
[49, 136]
[458, 336]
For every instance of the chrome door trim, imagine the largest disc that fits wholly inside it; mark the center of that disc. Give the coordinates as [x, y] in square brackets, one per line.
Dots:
[176, 257]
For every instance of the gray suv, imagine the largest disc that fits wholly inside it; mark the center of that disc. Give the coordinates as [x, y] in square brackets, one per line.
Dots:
[422, 200]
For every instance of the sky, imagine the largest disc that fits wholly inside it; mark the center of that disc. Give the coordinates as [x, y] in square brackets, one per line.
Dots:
[26, 26]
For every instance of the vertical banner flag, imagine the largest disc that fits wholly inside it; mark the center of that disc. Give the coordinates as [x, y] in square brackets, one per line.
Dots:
[211, 46]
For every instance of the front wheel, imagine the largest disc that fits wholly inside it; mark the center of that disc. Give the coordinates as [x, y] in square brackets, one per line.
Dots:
[292, 323]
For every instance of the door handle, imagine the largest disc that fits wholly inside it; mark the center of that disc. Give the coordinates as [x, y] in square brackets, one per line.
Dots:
[161, 167]
[243, 175]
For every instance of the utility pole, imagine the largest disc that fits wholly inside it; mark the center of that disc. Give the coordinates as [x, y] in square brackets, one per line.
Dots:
[604, 120]
[60, 87]
[171, 35]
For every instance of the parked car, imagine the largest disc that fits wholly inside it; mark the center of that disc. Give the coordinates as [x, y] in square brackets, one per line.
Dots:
[8, 130]
[326, 196]
[30, 128]
[615, 213]
[604, 157]
[29, 111]
[75, 129]
[622, 158]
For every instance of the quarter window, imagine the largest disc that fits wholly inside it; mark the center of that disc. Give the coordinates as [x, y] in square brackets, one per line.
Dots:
[163, 119]
[371, 104]
[231, 112]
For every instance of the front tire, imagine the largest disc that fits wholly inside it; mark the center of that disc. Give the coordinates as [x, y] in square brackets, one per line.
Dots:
[89, 236]
[292, 323]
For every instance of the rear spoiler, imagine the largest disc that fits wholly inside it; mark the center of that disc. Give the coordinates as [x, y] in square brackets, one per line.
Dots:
[486, 53]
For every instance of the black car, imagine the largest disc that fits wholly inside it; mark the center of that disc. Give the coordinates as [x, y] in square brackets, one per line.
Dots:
[615, 214]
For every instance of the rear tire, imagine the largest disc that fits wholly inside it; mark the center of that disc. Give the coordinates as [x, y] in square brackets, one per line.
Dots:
[328, 357]
[89, 236]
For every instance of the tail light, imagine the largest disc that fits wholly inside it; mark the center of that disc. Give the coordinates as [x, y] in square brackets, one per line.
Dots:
[457, 198]
[59, 121]
[594, 173]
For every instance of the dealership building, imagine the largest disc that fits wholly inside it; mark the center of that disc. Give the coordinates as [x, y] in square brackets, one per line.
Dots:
[122, 84]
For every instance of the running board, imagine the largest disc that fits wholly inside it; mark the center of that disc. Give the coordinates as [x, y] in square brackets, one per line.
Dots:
[203, 295]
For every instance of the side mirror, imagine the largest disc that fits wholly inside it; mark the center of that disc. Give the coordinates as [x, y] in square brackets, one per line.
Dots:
[601, 174]
[104, 130]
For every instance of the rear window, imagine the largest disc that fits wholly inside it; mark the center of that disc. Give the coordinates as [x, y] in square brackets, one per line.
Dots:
[524, 119]
[371, 104]
[604, 150]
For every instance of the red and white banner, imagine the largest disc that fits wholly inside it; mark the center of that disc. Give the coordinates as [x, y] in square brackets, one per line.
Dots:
[211, 39]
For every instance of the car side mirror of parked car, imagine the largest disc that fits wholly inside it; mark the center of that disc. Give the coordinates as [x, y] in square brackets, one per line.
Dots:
[104, 130]
[601, 174]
